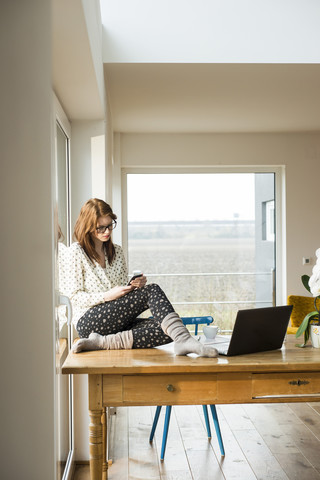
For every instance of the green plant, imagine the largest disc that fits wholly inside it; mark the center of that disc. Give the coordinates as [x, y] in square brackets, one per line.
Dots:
[312, 318]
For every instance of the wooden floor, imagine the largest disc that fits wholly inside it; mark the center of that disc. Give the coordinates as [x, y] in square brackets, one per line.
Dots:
[269, 441]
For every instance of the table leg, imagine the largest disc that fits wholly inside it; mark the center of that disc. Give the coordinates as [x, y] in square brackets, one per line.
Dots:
[95, 427]
[104, 445]
[95, 444]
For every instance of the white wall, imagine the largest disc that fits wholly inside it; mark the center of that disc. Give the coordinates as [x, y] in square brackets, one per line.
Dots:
[27, 336]
[298, 152]
[80, 156]
[218, 31]
[98, 167]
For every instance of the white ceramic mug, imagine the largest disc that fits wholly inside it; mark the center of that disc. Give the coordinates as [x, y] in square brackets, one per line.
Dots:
[210, 331]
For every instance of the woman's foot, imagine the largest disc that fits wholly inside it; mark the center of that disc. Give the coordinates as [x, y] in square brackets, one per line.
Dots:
[191, 345]
[184, 343]
[94, 342]
[117, 341]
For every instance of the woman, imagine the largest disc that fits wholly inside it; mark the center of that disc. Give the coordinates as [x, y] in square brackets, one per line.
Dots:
[106, 309]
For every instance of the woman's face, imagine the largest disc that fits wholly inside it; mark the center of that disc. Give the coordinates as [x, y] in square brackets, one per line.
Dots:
[102, 233]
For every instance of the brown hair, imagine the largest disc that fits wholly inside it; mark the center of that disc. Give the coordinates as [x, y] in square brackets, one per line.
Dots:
[86, 225]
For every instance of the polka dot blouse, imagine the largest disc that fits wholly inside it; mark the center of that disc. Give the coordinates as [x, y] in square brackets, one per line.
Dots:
[87, 282]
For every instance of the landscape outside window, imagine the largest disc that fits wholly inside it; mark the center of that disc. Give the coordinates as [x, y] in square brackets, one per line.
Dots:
[202, 238]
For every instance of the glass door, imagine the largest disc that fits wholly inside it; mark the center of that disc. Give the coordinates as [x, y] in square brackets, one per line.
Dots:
[207, 238]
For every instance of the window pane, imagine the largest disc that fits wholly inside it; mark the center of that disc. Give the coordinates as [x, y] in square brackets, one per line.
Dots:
[200, 237]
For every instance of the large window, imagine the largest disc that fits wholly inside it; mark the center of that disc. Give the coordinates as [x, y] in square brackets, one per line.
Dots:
[207, 239]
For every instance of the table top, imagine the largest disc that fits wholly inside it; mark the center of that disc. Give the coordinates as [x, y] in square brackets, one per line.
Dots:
[163, 360]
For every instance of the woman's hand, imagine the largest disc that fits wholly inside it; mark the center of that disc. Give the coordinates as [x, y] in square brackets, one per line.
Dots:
[120, 291]
[139, 282]
[117, 292]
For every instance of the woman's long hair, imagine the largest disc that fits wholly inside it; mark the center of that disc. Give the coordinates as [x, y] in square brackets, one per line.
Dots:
[86, 225]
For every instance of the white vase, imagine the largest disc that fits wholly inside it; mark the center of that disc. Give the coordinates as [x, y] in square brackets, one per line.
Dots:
[315, 335]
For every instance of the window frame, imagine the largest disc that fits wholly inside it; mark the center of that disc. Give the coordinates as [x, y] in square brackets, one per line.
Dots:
[120, 199]
[61, 121]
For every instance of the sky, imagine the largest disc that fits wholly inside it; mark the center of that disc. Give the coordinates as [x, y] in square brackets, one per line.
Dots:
[167, 197]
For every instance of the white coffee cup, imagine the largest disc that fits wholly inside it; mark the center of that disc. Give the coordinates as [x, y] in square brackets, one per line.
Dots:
[210, 331]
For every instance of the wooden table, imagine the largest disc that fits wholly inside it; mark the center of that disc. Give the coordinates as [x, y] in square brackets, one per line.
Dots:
[157, 377]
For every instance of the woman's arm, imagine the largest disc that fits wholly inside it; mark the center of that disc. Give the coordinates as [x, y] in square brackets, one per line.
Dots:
[79, 294]
[123, 276]
[78, 265]
[117, 292]
[120, 276]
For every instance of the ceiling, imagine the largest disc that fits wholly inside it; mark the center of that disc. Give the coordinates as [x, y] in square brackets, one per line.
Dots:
[73, 74]
[214, 97]
[180, 97]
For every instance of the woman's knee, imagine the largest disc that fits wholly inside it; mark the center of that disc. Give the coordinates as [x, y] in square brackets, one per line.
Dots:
[154, 288]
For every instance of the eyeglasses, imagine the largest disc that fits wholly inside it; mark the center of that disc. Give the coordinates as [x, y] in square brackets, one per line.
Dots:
[110, 227]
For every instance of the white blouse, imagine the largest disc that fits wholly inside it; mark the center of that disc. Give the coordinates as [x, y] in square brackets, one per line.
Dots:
[87, 281]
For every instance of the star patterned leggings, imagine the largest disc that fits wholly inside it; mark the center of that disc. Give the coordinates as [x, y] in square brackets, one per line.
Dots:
[122, 314]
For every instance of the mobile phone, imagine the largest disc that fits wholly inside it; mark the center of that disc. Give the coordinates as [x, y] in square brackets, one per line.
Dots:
[135, 274]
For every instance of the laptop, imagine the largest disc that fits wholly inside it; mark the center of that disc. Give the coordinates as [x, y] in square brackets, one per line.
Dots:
[255, 330]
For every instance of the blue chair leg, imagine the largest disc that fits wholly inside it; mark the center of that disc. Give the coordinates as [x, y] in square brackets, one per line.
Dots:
[165, 431]
[205, 413]
[155, 422]
[217, 427]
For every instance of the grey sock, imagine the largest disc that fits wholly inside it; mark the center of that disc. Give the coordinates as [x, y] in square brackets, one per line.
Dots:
[191, 345]
[118, 341]
[94, 342]
[184, 343]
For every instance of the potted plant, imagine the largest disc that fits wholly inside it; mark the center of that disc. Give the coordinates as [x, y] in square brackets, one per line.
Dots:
[310, 325]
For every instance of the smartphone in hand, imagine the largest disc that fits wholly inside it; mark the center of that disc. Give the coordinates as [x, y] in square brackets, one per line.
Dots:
[135, 274]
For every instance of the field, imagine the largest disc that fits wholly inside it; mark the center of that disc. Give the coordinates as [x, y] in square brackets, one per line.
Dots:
[219, 260]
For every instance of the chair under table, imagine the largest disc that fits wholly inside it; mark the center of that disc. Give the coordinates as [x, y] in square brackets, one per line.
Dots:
[196, 321]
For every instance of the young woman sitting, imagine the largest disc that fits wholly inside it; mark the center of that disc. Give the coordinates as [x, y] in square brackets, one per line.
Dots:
[105, 308]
